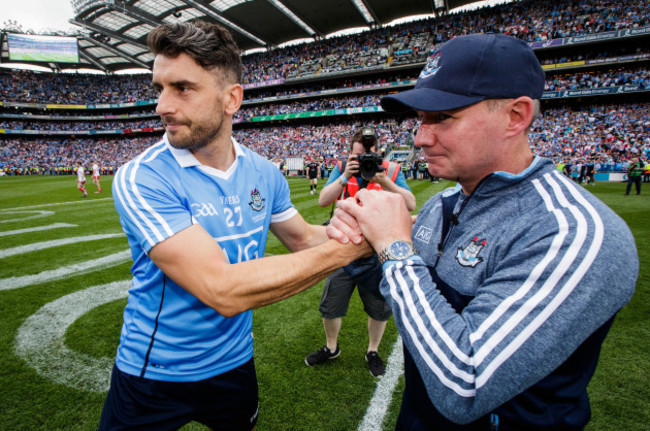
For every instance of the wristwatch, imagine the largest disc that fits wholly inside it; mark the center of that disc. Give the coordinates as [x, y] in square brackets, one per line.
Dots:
[397, 250]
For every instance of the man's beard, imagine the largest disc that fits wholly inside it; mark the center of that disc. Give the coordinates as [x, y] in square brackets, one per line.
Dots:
[199, 136]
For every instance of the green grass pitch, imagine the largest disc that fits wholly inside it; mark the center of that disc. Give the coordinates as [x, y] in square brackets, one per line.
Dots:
[56, 353]
[54, 57]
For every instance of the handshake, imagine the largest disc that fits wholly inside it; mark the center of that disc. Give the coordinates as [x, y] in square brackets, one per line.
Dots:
[379, 217]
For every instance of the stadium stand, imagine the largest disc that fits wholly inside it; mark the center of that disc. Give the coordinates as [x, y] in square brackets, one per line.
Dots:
[304, 100]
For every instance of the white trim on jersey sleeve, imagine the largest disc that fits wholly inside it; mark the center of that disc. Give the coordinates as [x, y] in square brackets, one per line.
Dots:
[284, 215]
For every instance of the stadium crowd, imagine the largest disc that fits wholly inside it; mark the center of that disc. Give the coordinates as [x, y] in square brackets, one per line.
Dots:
[81, 89]
[610, 133]
[309, 105]
[639, 77]
[59, 156]
[78, 125]
[530, 20]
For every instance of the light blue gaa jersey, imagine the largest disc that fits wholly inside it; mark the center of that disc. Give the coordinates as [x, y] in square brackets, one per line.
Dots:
[168, 334]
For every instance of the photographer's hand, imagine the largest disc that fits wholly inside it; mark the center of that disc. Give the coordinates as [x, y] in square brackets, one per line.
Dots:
[351, 167]
[381, 179]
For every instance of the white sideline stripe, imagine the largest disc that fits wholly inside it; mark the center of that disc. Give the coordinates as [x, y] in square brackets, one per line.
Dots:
[54, 243]
[383, 396]
[57, 203]
[41, 339]
[36, 229]
[39, 214]
[56, 274]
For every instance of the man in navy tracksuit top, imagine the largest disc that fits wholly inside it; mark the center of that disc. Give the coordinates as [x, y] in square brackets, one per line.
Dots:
[506, 286]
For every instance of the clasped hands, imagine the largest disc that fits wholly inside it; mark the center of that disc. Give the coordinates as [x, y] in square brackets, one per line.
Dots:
[378, 216]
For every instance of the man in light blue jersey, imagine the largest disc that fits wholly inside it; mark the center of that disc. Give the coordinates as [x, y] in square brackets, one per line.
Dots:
[506, 286]
[197, 208]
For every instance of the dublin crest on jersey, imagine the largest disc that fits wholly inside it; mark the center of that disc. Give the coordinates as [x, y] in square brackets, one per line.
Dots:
[257, 203]
[468, 256]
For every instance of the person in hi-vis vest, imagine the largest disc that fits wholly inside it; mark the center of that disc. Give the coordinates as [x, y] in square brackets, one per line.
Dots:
[344, 182]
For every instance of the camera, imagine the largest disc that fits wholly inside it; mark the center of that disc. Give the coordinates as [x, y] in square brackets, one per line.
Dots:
[369, 162]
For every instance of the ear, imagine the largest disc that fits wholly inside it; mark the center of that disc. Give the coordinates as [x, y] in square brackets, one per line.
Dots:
[520, 115]
[233, 96]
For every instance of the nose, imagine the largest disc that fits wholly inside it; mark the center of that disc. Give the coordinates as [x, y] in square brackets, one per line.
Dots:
[165, 104]
[423, 135]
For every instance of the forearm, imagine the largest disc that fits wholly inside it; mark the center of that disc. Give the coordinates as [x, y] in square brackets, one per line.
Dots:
[296, 234]
[330, 193]
[253, 284]
[193, 260]
[316, 236]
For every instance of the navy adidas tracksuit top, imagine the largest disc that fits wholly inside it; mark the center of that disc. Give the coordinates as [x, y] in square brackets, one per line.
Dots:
[504, 314]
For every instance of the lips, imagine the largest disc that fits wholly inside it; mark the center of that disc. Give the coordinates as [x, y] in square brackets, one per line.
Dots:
[172, 127]
[171, 122]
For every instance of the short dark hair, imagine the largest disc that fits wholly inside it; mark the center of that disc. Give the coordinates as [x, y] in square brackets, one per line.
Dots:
[357, 137]
[210, 45]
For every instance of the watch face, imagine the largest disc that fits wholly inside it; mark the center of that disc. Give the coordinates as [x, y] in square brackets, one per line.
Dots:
[400, 249]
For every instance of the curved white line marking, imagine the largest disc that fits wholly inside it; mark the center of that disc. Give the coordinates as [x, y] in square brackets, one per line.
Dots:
[40, 340]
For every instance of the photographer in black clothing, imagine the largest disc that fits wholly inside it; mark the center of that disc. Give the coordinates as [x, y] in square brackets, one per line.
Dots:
[312, 173]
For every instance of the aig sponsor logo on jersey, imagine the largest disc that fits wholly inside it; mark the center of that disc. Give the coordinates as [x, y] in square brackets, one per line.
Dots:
[424, 234]
[203, 210]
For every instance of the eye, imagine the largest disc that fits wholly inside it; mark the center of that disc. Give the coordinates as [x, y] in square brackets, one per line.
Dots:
[439, 117]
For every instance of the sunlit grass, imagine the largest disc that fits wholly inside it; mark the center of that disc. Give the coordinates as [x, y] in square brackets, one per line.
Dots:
[293, 397]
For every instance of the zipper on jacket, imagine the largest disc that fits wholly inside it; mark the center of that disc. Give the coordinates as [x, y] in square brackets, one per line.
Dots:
[454, 219]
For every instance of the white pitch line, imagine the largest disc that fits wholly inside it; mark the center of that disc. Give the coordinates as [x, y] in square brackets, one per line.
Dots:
[56, 274]
[54, 243]
[41, 339]
[36, 229]
[39, 214]
[85, 202]
[383, 396]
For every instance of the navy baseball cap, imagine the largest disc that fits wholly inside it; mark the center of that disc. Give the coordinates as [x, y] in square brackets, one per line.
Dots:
[468, 69]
